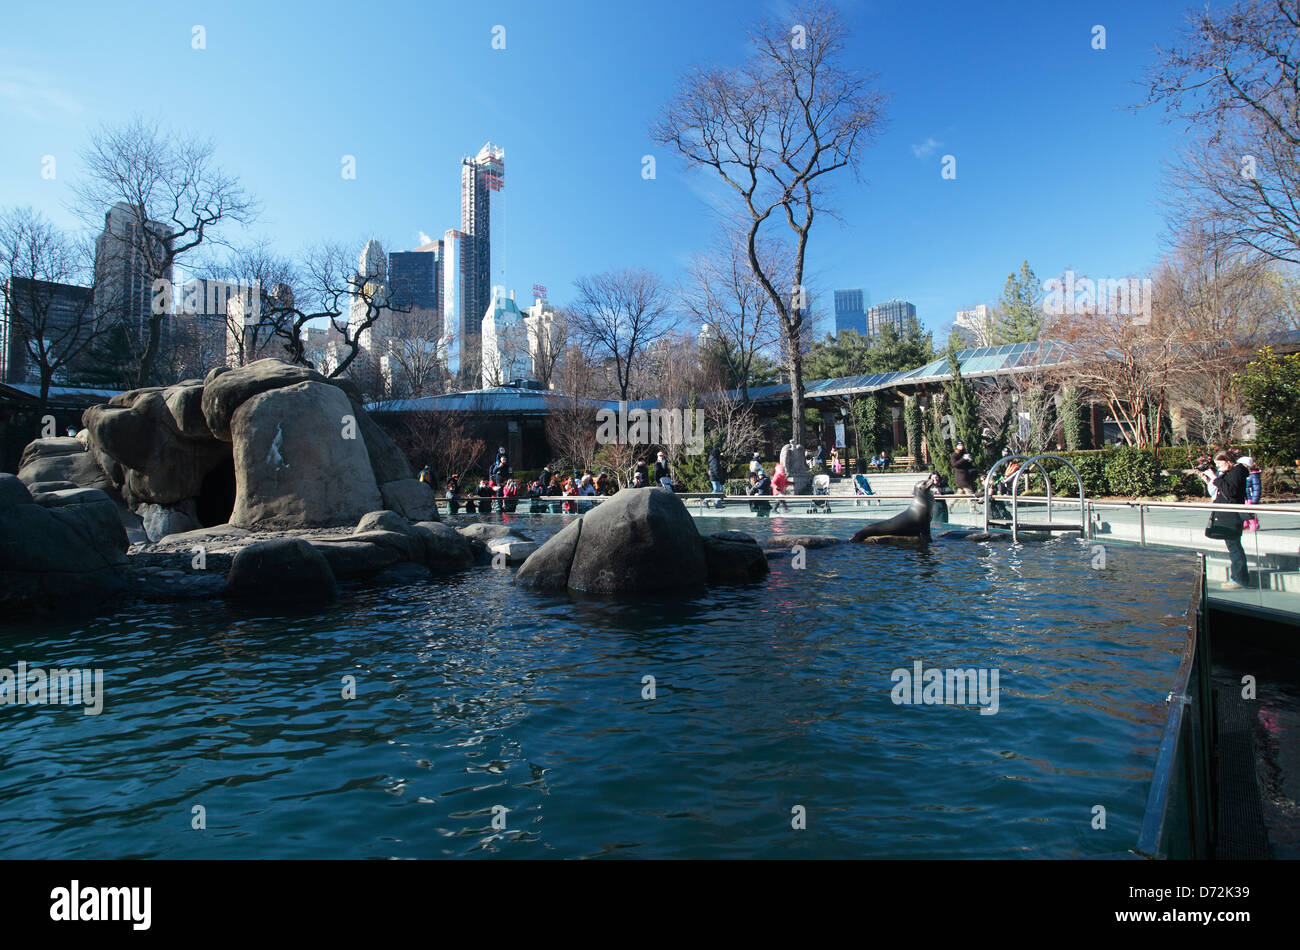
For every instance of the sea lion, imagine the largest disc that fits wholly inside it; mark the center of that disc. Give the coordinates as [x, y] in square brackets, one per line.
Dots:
[912, 523]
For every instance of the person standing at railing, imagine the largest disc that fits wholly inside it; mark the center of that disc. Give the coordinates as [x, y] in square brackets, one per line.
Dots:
[1254, 489]
[715, 473]
[1229, 488]
[963, 470]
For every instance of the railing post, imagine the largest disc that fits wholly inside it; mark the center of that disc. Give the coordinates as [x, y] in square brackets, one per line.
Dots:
[1142, 525]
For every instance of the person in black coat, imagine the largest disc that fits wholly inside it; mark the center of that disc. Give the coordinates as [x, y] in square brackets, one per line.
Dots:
[1229, 488]
[760, 485]
[963, 470]
[662, 472]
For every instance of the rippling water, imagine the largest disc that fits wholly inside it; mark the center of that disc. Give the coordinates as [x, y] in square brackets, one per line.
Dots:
[471, 694]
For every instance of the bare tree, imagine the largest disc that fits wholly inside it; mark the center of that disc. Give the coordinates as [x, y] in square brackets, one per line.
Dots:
[1234, 80]
[618, 315]
[55, 320]
[176, 198]
[724, 294]
[415, 347]
[773, 129]
[571, 423]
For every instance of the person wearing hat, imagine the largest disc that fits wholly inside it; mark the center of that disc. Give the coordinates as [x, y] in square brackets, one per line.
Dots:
[756, 467]
[963, 470]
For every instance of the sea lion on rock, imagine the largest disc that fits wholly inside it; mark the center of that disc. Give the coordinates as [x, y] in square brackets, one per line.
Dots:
[912, 523]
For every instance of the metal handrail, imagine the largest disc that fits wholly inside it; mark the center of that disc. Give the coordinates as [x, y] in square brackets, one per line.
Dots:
[988, 487]
[1015, 495]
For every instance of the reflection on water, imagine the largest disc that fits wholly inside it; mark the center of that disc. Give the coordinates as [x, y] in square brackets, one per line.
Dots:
[472, 696]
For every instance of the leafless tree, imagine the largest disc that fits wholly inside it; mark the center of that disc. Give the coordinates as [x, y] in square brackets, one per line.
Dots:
[723, 293]
[56, 323]
[618, 315]
[571, 423]
[773, 129]
[176, 197]
[415, 348]
[1234, 80]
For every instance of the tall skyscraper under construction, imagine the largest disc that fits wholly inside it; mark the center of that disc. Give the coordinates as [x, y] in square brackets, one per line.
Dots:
[479, 177]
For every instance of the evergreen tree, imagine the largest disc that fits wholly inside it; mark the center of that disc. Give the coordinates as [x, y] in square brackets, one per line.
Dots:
[913, 424]
[1019, 315]
[1071, 418]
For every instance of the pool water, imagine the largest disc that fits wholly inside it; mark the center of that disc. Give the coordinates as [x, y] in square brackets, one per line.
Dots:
[490, 721]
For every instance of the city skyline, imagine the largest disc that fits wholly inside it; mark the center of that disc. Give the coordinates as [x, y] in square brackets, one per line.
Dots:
[581, 200]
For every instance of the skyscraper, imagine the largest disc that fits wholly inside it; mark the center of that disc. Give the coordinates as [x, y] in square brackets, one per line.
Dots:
[125, 253]
[479, 177]
[849, 312]
[415, 278]
[896, 312]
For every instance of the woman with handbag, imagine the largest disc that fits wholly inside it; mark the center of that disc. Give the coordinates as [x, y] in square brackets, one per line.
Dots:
[1228, 488]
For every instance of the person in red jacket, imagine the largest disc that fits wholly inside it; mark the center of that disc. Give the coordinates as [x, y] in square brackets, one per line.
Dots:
[780, 485]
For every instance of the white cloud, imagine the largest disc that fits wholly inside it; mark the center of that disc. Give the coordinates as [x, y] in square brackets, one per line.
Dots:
[33, 95]
[424, 238]
[926, 148]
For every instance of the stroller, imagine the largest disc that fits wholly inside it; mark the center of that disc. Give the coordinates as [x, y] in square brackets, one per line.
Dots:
[861, 486]
[821, 485]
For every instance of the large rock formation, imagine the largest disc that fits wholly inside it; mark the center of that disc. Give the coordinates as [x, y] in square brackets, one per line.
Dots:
[58, 550]
[268, 445]
[298, 461]
[641, 541]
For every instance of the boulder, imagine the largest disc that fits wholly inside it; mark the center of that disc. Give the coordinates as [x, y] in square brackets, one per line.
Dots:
[62, 497]
[160, 520]
[734, 557]
[486, 532]
[185, 403]
[40, 488]
[382, 521]
[57, 558]
[515, 550]
[294, 465]
[350, 558]
[445, 551]
[62, 460]
[548, 567]
[639, 541]
[283, 570]
[162, 465]
[410, 498]
[387, 461]
[224, 392]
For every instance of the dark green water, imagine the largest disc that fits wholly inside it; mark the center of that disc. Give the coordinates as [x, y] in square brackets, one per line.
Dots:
[471, 694]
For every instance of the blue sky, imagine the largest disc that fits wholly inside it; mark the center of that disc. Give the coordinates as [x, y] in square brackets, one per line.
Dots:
[1051, 165]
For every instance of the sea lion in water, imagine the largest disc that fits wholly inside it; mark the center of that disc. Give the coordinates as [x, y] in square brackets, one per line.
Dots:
[912, 523]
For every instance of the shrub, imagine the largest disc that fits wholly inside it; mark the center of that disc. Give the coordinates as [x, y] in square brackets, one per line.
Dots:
[1092, 472]
[1133, 472]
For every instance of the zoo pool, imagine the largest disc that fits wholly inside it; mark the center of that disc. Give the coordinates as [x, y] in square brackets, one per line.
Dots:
[493, 721]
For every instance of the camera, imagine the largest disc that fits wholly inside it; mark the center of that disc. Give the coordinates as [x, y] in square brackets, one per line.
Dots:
[1202, 466]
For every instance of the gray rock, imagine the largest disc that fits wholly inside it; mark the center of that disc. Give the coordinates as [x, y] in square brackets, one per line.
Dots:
[639, 541]
[283, 570]
[185, 403]
[486, 532]
[225, 392]
[62, 460]
[293, 466]
[350, 558]
[445, 551]
[160, 521]
[516, 550]
[60, 558]
[70, 496]
[161, 465]
[548, 567]
[734, 557]
[12, 492]
[410, 498]
[383, 521]
[386, 460]
[37, 488]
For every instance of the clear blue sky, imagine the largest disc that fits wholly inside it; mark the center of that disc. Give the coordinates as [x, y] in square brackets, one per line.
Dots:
[1051, 166]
